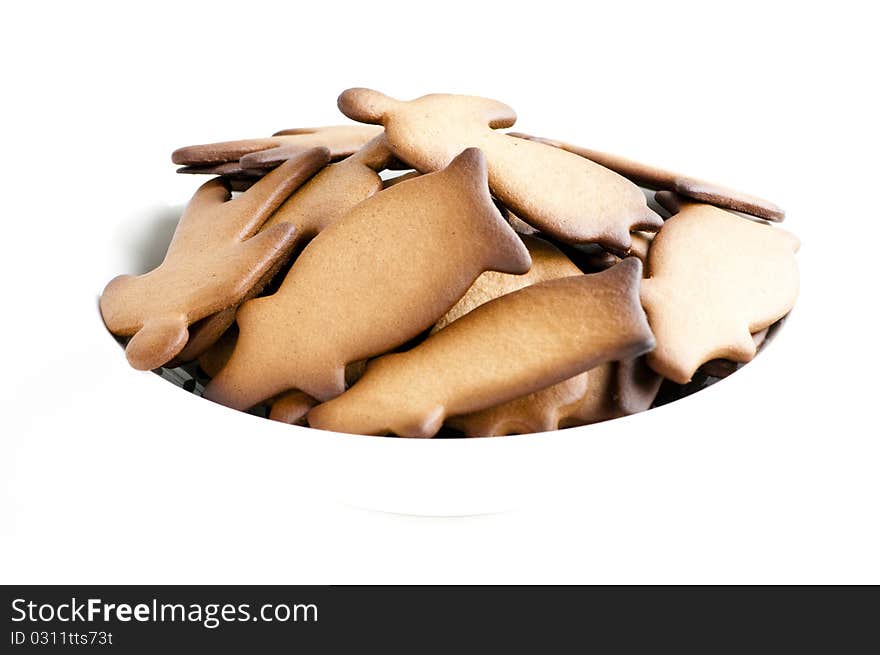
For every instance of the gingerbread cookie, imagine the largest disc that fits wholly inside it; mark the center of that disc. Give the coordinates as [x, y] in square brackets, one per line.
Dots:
[556, 192]
[607, 391]
[610, 390]
[615, 389]
[652, 177]
[320, 202]
[235, 177]
[540, 411]
[715, 278]
[334, 191]
[373, 280]
[599, 260]
[641, 244]
[230, 169]
[507, 348]
[213, 261]
[215, 357]
[721, 368]
[548, 263]
[519, 226]
[292, 407]
[340, 140]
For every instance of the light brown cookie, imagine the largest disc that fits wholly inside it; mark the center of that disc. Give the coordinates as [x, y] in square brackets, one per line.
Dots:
[519, 226]
[334, 191]
[212, 262]
[292, 407]
[721, 368]
[641, 244]
[320, 202]
[507, 348]
[615, 389]
[204, 333]
[608, 391]
[235, 177]
[340, 140]
[373, 280]
[239, 183]
[715, 278]
[561, 194]
[215, 357]
[601, 259]
[548, 263]
[652, 177]
[229, 169]
[540, 411]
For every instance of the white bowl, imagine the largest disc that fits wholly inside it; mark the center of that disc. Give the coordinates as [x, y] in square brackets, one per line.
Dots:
[438, 477]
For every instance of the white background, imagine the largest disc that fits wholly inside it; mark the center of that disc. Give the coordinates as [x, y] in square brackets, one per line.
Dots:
[116, 476]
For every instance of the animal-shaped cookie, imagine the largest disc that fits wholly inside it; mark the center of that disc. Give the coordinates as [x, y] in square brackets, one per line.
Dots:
[292, 407]
[721, 368]
[215, 356]
[213, 260]
[204, 333]
[548, 263]
[561, 194]
[504, 349]
[715, 278]
[599, 260]
[615, 389]
[289, 407]
[540, 411]
[236, 177]
[652, 177]
[334, 191]
[606, 391]
[340, 140]
[370, 282]
[320, 202]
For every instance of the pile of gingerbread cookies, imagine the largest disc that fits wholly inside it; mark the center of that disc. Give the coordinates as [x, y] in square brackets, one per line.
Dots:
[500, 283]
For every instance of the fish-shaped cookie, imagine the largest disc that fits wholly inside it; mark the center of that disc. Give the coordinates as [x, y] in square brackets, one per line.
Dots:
[504, 349]
[370, 282]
